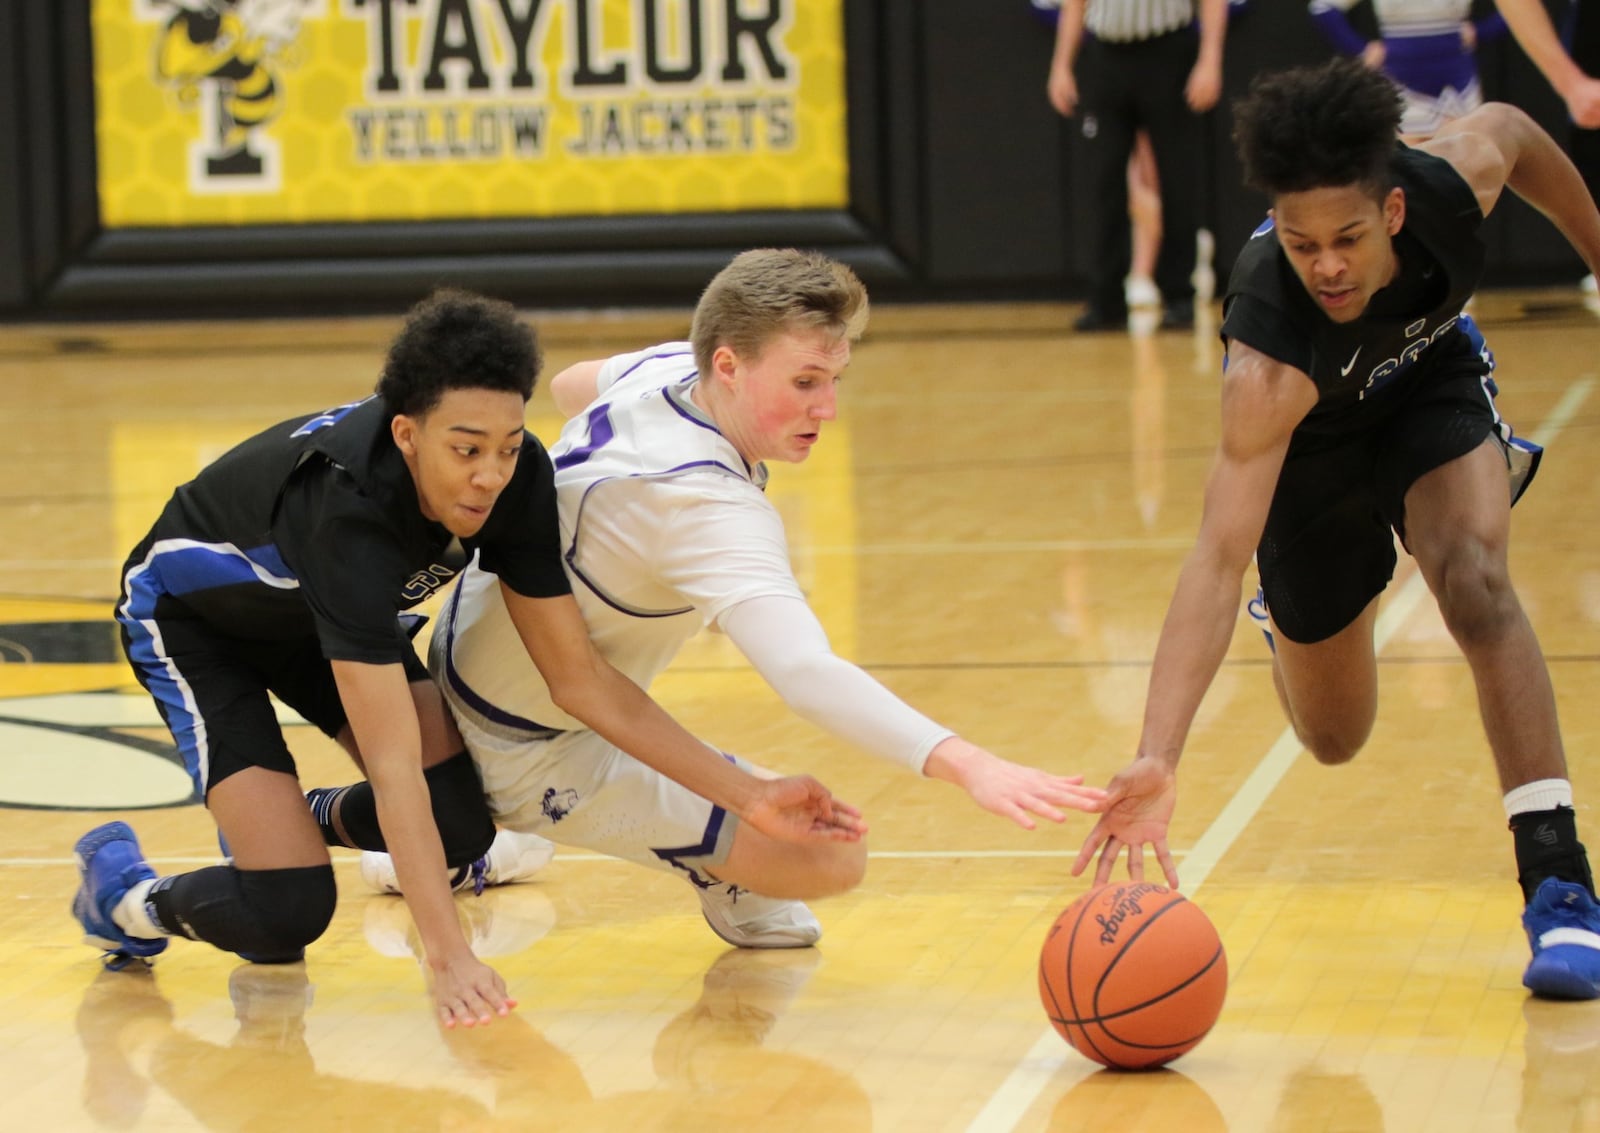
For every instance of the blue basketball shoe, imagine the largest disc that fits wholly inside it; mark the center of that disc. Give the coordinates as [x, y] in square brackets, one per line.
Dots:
[1563, 923]
[109, 864]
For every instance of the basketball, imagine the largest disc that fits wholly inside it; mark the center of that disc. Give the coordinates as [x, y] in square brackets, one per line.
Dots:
[1133, 975]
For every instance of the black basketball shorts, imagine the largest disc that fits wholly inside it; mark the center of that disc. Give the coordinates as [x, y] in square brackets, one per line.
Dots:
[1327, 549]
[212, 689]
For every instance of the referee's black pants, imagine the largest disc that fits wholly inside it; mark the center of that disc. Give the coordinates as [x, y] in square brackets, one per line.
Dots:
[1121, 88]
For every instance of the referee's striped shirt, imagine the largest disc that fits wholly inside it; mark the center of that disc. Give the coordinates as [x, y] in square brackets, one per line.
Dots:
[1128, 21]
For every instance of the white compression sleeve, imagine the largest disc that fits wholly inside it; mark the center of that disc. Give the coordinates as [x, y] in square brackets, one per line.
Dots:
[787, 645]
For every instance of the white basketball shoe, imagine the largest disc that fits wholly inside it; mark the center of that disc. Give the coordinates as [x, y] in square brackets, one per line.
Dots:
[512, 857]
[749, 920]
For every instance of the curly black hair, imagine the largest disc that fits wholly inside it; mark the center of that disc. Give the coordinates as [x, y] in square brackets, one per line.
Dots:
[1318, 127]
[458, 340]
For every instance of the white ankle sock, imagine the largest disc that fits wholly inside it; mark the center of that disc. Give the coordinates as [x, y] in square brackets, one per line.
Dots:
[132, 917]
[1541, 794]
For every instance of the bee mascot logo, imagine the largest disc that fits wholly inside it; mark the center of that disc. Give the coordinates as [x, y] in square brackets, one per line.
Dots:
[223, 58]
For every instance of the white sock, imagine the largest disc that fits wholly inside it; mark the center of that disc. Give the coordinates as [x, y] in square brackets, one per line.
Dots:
[1541, 794]
[131, 915]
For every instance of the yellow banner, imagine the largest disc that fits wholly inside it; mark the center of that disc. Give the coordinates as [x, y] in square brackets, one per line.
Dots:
[283, 111]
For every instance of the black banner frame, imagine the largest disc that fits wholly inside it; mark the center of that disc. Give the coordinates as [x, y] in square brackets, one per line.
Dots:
[71, 265]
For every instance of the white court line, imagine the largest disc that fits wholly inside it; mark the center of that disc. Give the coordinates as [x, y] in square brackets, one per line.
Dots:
[1022, 1087]
[993, 547]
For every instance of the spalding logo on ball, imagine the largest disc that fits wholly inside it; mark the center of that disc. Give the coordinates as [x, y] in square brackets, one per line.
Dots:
[1133, 975]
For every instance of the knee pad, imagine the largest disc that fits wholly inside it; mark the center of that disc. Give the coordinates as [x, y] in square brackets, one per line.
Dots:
[460, 810]
[289, 909]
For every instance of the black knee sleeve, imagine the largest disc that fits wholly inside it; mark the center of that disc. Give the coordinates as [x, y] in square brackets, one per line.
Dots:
[262, 914]
[459, 811]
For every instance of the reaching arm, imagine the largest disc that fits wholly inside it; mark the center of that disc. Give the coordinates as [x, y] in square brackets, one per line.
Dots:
[785, 642]
[383, 720]
[1498, 146]
[1262, 402]
[586, 686]
[576, 386]
[1530, 24]
[787, 645]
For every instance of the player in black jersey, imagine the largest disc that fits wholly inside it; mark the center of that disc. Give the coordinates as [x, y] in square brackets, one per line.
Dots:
[1356, 399]
[284, 567]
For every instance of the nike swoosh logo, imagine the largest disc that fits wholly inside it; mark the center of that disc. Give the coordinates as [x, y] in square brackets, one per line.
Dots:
[1344, 371]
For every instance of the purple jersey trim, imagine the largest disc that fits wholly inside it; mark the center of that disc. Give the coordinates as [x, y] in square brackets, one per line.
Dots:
[707, 844]
[572, 551]
[601, 433]
[472, 700]
[652, 358]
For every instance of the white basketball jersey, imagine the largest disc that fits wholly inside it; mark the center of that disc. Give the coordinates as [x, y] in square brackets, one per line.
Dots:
[663, 527]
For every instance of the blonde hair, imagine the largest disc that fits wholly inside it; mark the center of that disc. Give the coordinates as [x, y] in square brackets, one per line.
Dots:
[770, 291]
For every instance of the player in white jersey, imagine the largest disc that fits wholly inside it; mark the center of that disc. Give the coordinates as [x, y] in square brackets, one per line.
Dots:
[665, 529]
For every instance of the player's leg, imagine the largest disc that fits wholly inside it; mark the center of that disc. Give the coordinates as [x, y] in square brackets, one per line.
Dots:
[1329, 688]
[348, 816]
[1144, 213]
[1458, 522]
[579, 790]
[1324, 557]
[278, 893]
[760, 862]
[751, 887]
[1457, 525]
[757, 897]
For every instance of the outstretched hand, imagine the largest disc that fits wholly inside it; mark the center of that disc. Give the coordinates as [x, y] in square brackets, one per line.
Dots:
[800, 809]
[1139, 804]
[1008, 789]
[468, 992]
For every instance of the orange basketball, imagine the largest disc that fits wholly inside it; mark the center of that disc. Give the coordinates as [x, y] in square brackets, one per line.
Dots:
[1133, 975]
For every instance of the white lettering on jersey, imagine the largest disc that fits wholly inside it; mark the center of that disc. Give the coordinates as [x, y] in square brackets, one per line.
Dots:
[425, 582]
[1385, 370]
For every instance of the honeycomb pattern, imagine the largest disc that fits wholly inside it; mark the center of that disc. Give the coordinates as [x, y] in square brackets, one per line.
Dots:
[329, 147]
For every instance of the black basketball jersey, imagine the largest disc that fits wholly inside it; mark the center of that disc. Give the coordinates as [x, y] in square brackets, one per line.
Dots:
[1411, 321]
[314, 527]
